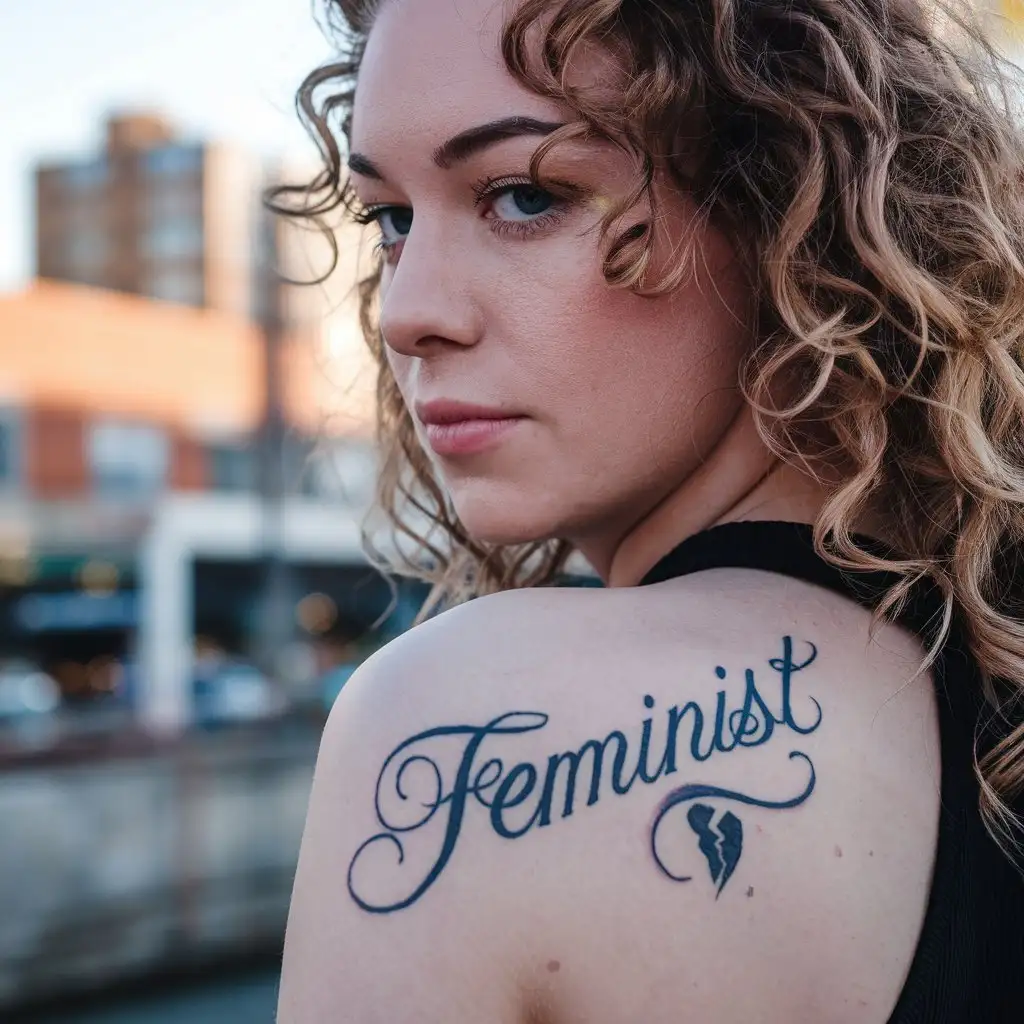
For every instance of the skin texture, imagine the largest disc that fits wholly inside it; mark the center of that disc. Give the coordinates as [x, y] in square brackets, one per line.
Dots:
[626, 396]
[817, 922]
[780, 878]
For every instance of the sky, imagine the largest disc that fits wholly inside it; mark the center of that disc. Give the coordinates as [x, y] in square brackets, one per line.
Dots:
[219, 69]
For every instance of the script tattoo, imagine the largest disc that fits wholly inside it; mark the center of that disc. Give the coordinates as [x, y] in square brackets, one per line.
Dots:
[523, 797]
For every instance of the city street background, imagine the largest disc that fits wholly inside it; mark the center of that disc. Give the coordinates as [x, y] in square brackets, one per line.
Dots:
[186, 460]
[186, 464]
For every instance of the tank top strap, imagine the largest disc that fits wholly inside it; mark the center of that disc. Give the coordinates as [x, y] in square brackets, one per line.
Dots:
[787, 548]
[774, 546]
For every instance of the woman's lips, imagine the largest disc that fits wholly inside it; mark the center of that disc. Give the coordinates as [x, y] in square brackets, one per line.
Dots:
[465, 437]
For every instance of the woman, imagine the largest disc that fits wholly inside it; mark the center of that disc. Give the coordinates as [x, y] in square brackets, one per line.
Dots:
[727, 296]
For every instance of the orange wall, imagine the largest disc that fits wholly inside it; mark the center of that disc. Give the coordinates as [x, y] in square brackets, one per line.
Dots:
[97, 352]
[70, 354]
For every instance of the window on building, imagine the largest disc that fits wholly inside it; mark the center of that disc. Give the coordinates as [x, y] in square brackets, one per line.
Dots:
[85, 176]
[177, 284]
[169, 200]
[342, 471]
[86, 251]
[175, 160]
[128, 459]
[232, 467]
[174, 238]
[10, 448]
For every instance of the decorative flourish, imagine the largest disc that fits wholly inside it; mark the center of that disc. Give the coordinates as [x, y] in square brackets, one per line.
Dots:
[433, 780]
[722, 849]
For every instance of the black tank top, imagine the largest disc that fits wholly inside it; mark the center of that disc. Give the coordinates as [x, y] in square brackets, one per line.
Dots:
[968, 967]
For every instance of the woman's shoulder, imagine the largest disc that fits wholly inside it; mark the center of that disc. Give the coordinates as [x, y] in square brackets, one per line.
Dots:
[524, 635]
[710, 793]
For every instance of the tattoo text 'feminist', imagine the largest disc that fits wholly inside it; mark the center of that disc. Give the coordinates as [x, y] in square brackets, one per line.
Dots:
[525, 797]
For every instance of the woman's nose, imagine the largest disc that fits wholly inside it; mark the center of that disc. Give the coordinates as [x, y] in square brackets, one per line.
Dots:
[426, 302]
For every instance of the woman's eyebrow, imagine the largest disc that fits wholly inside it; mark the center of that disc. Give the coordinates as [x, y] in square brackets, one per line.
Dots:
[467, 143]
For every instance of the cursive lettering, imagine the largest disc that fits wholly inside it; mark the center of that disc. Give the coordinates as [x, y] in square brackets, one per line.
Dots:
[525, 795]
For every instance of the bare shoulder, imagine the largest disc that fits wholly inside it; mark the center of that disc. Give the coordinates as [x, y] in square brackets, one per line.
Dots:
[600, 806]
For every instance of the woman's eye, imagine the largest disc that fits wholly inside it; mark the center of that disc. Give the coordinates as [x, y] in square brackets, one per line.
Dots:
[395, 222]
[518, 207]
[521, 202]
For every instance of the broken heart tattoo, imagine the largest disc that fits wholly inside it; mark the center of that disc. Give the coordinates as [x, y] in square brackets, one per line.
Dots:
[723, 847]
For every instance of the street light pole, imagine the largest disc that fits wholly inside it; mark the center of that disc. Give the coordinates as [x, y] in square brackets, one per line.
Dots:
[274, 605]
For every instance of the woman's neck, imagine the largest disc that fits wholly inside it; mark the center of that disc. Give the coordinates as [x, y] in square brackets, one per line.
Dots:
[740, 480]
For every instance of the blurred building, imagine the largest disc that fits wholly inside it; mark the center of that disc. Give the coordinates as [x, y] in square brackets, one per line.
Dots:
[153, 379]
[157, 216]
[186, 449]
[128, 432]
[182, 221]
[111, 396]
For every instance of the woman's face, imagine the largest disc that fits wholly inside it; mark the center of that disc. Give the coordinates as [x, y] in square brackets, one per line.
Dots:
[492, 291]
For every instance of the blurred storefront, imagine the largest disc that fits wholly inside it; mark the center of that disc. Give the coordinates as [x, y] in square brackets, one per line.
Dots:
[157, 738]
[133, 533]
[185, 461]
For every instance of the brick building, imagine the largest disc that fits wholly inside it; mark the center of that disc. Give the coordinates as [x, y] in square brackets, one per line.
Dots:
[126, 444]
[136, 375]
[157, 216]
[110, 395]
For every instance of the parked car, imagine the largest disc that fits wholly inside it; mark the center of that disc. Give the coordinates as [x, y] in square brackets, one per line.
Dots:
[26, 691]
[234, 691]
[331, 682]
[29, 704]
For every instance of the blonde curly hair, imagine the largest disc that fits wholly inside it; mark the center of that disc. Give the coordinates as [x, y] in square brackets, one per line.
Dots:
[871, 164]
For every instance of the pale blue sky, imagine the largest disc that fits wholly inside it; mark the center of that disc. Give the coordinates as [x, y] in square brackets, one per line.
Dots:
[223, 69]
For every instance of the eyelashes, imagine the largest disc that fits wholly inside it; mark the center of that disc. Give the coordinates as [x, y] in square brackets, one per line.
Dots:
[513, 206]
[384, 217]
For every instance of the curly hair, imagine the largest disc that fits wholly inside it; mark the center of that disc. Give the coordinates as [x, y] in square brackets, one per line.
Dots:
[869, 158]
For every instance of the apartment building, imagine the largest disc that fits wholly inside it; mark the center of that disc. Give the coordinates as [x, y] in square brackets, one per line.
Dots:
[156, 215]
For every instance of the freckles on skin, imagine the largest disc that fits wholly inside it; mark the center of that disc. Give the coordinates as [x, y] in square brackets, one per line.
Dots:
[623, 393]
[430, 69]
[626, 391]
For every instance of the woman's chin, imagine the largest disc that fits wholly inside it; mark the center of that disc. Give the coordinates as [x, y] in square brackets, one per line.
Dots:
[504, 534]
[493, 525]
